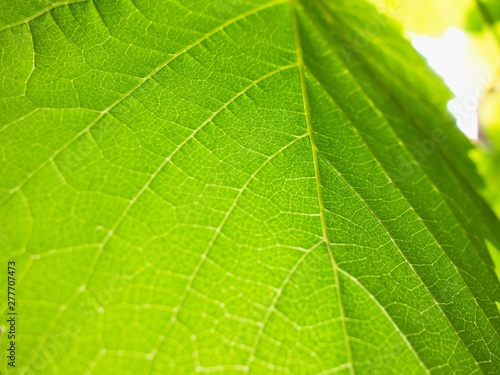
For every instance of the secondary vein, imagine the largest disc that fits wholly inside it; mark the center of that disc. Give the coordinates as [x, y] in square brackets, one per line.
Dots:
[38, 14]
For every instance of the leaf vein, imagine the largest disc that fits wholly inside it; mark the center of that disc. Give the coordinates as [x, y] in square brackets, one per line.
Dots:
[146, 78]
[315, 154]
[38, 14]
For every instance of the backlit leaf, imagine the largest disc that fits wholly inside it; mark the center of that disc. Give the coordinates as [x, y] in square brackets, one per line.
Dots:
[236, 187]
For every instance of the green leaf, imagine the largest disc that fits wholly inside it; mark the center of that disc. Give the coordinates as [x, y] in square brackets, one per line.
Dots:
[430, 17]
[484, 13]
[240, 186]
[487, 156]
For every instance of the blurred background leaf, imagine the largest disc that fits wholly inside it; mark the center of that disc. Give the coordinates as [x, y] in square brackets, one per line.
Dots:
[429, 17]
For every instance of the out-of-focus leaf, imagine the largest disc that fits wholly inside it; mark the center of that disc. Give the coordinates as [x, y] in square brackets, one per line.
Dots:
[475, 20]
[487, 157]
[429, 17]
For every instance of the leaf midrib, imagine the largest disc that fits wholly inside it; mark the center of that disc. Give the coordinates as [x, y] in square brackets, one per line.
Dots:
[315, 151]
[315, 157]
[425, 225]
[409, 205]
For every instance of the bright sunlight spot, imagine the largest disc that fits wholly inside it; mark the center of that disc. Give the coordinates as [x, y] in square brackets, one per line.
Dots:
[452, 57]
